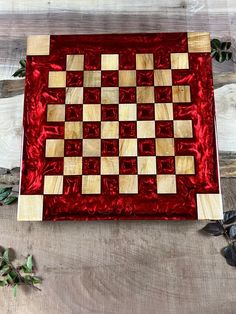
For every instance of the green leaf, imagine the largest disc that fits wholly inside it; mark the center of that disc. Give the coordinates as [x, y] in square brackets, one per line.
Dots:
[5, 270]
[225, 45]
[229, 56]
[221, 56]
[10, 199]
[36, 280]
[4, 194]
[23, 63]
[6, 255]
[14, 290]
[18, 72]
[215, 43]
[213, 53]
[29, 263]
[213, 228]
[9, 279]
[3, 283]
[229, 217]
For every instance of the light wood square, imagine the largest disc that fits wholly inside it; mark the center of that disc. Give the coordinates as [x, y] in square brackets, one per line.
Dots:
[166, 184]
[128, 184]
[127, 78]
[199, 42]
[164, 111]
[53, 184]
[55, 113]
[145, 94]
[72, 166]
[54, 148]
[109, 165]
[74, 95]
[38, 45]
[179, 61]
[127, 112]
[162, 78]
[128, 147]
[92, 112]
[75, 62]
[92, 78]
[73, 130]
[110, 95]
[147, 165]
[91, 147]
[183, 128]
[91, 184]
[181, 93]
[110, 62]
[146, 129]
[144, 61]
[165, 147]
[184, 165]
[30, 208]
[109, 129]
[56, 79]
[209, 206]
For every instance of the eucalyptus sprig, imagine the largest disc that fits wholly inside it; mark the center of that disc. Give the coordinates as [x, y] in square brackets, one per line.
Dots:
[21, 71]
[227, 228]
[220, 50]
[6, 196]
[11, 276]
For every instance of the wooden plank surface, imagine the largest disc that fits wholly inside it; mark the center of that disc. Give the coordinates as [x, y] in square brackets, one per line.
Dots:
[120, 267]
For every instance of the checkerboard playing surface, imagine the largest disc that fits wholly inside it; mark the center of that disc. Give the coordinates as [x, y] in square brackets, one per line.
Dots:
[119, 127]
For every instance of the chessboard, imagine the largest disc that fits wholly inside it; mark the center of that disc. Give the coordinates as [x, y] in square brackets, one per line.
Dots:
[119, 127]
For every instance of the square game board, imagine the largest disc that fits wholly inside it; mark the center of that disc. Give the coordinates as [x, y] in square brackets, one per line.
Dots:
[119, 126]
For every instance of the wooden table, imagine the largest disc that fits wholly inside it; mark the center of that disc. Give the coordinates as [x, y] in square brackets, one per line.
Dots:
[128, 266]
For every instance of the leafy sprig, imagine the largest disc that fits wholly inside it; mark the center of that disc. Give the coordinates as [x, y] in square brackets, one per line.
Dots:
[226, 228]
[21, 71]
[220, 50]
[11, 276]
[6, 196]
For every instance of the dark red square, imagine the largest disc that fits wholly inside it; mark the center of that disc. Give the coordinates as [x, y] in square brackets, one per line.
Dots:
[146, 147]
[72, 185]
[163, 94]
[92, 95]
[147, 186]
[165, 165]
[110, 147]
[53, 166]
[91, 165]
[91, 129]
[128, 165]
[73, 148]
[74, 112]
[74, 78]
[128, 129]
[110, 78]
[162, 60]
[127, 95]
[109, 112]
[110, 185]
[146, 112]
[145, 78]
[164, 129]
[127, 60]
[182, 77]
[92, 61]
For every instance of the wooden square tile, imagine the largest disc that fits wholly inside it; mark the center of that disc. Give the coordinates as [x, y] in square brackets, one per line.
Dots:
[179, 61]
[75, 62]
[199, 42]
[73, 130]
[127, 78]
[53, 185]
[209, 205]
[74, 95]
[30, 208]
[54, 148]
[183, 128]
[109, 165]
[146, 129]
[38, 45]
[166, 184]
[109, 129]
[145, 94]
[128, 112]
[92, 112]
[184, 165]
[56, 79]
[147, 165]
[165, 147]
[92, 78]
[128, 147]
[128, 184]
[91, 184]
[181, 93]
[144, 61]
[164, 111]
[110, 62]
[55, 113]
[162, 78]
[72, 166]
[110, 95]
[91, 147]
